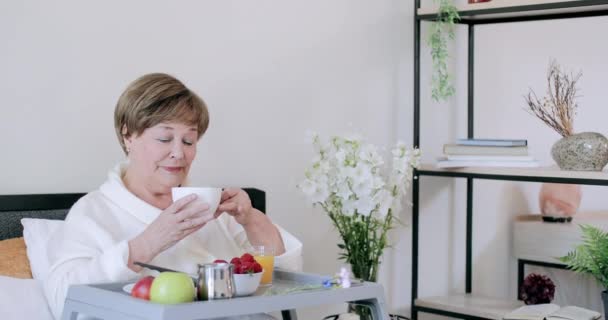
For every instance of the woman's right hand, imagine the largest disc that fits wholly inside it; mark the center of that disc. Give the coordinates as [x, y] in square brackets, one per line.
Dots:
[173, 224]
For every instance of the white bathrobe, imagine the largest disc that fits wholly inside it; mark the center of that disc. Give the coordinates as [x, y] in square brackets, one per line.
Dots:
[92, 246]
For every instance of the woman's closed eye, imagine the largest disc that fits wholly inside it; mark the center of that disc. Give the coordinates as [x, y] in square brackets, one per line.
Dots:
[167, 140]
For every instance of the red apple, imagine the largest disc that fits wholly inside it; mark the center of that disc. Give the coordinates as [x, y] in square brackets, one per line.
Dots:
[141, 289]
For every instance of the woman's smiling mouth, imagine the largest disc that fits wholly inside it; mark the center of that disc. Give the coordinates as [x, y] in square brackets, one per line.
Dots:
[173, 169]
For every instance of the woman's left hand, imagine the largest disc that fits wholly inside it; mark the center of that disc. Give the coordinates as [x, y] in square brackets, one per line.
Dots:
[236, 203]
[260, 230]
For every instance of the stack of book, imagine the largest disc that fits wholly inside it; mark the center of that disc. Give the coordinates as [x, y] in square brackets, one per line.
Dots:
[486, 153]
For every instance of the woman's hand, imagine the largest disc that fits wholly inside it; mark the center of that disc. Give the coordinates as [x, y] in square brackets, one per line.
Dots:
[236, 203]
[173, 224]
[258, 227]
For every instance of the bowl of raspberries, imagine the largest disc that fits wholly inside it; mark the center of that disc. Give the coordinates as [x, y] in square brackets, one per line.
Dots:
[247, 274]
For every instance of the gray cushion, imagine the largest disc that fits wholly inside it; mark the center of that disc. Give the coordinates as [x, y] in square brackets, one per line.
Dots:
[10, 221]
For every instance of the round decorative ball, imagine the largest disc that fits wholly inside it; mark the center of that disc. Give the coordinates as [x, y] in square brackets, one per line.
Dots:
[537, 289]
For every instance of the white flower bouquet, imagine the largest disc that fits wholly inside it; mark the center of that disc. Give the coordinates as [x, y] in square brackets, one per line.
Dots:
[349, 181]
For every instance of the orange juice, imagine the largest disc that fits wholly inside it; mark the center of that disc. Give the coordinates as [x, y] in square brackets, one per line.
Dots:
[267, 263]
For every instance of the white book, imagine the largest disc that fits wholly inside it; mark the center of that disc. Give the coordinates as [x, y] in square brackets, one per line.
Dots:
[459, 157]
[456, 149]
[574, 313]
[445, 163]
[493, 142]
[551, 311]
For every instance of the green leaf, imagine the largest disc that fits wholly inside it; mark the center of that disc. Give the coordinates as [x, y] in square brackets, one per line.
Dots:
[591, 256]
[441, 31]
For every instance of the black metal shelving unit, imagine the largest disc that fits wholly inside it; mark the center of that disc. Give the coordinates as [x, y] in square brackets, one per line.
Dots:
[472, 15]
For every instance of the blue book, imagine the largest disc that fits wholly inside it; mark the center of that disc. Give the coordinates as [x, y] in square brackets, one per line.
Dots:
[493, 142]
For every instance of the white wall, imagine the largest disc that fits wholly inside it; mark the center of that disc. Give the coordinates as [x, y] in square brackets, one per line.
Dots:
[509, 58]
[269, 71]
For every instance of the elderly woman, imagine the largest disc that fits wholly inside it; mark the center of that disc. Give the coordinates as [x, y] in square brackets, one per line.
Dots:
[132, 216]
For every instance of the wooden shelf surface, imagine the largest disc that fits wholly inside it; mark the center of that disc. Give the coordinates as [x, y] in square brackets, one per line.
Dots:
[540, 174]
[521, 10]
[468, 304]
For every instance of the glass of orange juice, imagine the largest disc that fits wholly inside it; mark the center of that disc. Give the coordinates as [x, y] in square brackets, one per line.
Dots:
[264, 255]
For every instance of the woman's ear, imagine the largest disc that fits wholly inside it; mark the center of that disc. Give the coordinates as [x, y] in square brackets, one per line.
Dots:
[126, 138]
[127, 142]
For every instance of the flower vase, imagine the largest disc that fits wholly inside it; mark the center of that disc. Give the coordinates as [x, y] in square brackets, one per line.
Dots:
[364, 273]
[362, 311]
[585, 151]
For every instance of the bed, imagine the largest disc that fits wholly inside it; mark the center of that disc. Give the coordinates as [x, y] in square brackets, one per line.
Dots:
[26, 222]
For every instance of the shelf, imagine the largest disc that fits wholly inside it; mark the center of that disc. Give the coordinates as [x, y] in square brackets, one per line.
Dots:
[541, 174]
[467, 305]
[521, 10]
[539, 241]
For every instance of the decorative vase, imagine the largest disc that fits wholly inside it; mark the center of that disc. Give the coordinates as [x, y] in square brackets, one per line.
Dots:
[559, 202]
[365, 272]
[585, 151]
[363, 312]
[357, 311]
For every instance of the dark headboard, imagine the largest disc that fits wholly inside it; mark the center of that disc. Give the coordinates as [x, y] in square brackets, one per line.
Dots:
[43, 206]
[55, 206]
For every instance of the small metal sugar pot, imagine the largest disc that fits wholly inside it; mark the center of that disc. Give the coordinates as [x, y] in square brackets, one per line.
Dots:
[215, 281]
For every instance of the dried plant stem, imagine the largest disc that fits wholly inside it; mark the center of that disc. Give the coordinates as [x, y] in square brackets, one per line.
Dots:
[558, 108]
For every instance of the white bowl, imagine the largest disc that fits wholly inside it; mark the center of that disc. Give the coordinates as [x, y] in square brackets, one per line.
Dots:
[246, 284]
[211, 196]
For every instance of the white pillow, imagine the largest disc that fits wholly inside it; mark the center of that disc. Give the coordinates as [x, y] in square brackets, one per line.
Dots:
[23, 299]
[36, 234]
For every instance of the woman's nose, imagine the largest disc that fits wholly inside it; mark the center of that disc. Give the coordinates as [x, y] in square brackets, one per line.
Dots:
[177, 151]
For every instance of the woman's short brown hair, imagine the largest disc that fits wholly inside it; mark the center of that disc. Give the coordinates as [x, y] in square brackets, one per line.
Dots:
[156, 98]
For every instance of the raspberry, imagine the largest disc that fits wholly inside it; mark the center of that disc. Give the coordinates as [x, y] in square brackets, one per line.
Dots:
[247, 267]
[257, 267]
[235, 260]
[219, 261]
[247, 257]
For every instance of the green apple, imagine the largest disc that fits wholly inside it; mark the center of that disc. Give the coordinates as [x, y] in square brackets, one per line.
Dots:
[172, 288]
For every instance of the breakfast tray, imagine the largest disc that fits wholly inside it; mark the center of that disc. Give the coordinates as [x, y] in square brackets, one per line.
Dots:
[290, 291]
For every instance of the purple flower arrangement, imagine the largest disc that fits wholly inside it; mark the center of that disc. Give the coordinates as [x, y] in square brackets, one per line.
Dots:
[537, 289]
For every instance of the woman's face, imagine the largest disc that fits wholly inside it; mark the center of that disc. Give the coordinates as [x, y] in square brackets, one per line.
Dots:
[160, 157]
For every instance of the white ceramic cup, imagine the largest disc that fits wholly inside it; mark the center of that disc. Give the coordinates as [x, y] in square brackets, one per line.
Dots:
[211, 196]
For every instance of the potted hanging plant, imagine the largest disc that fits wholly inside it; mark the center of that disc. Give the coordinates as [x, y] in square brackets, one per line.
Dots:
[591, 258]
[441, 32]
[585, 151]
[348, 180]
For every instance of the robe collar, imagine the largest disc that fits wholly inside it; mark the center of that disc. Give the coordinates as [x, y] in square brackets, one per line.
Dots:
[114, 188]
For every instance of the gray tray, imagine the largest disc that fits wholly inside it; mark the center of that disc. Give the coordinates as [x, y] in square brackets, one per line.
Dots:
[290, 290]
